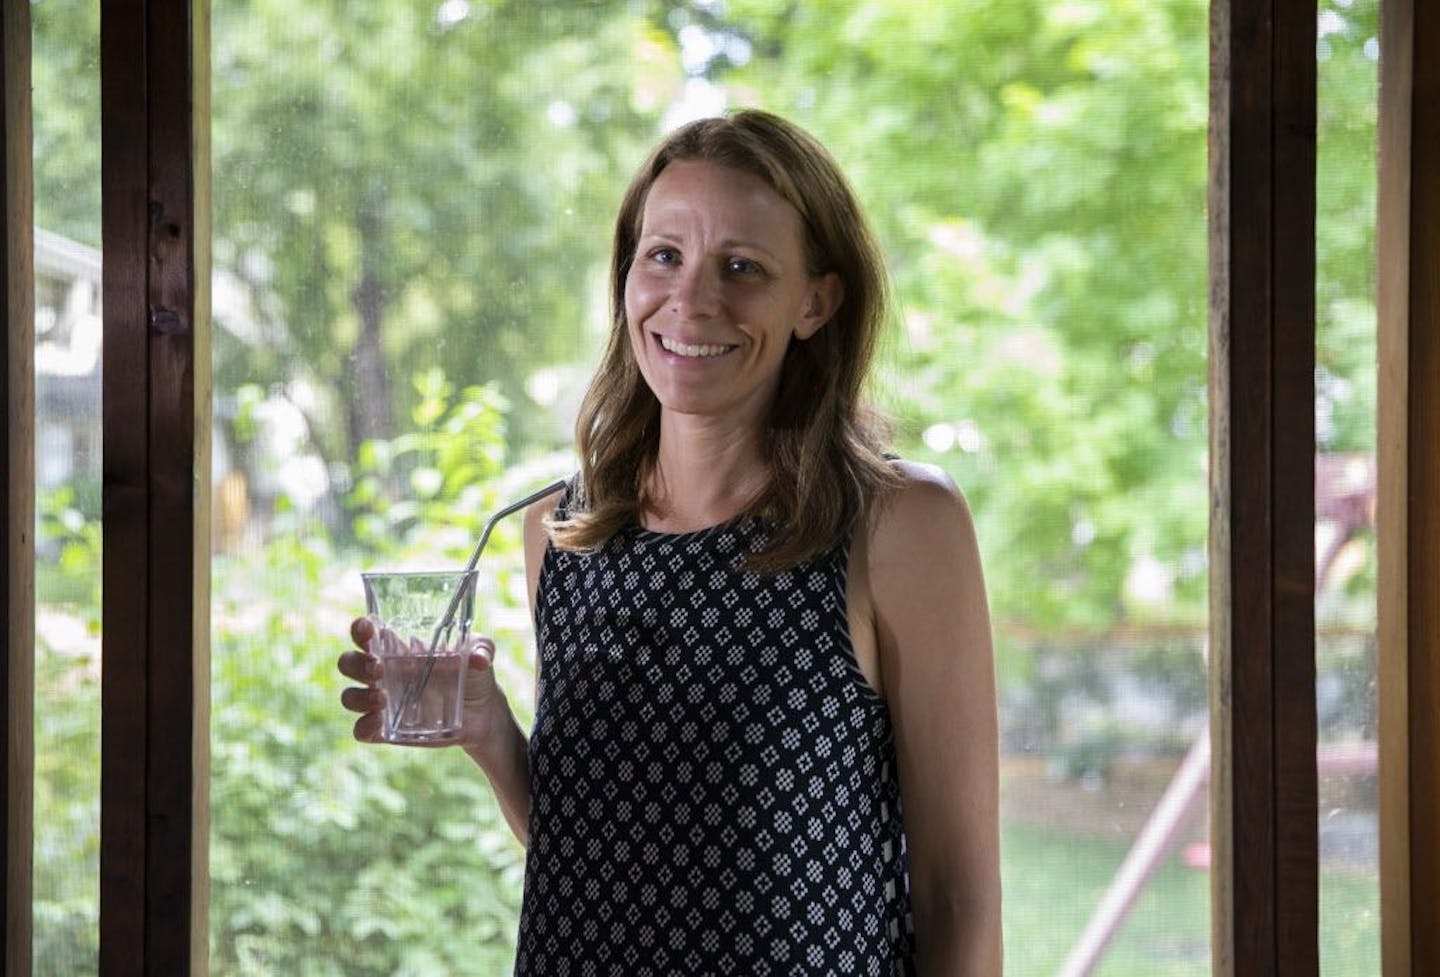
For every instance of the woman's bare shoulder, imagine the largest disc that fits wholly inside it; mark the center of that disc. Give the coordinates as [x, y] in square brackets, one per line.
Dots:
[537, 536]
[538, 513]
[927, 502]
[537, 525]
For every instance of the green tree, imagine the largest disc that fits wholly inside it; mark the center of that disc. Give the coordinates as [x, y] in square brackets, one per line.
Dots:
[378, 193]
[65, 76]
[1037, 173]
[1348, 52]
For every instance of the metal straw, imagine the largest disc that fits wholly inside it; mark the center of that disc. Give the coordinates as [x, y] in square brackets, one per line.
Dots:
[413, 690]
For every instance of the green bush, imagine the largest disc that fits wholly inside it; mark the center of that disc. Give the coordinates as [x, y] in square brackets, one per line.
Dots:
[331, 857]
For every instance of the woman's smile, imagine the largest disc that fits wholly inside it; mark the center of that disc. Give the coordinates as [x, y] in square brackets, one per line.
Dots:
[681, 350]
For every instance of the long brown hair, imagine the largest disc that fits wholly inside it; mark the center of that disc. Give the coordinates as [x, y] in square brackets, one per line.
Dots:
[825, 445]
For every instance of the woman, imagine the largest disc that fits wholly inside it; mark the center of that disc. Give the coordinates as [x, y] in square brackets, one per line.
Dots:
[765, 735]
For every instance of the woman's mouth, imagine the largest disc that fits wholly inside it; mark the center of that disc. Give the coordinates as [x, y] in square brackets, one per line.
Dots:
[692, 351]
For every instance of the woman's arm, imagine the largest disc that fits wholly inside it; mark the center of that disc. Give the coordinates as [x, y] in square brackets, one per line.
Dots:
[932, 628]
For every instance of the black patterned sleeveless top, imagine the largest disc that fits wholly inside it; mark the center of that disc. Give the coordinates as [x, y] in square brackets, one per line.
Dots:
[713, 786]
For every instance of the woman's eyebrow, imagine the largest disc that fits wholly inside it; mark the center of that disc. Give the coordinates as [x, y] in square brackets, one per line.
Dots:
[740, 242]
[670, 237]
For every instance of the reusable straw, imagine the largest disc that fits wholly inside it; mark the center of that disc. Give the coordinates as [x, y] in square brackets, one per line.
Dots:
[413, 690]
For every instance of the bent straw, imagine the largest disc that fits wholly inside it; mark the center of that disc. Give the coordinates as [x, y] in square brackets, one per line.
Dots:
[413, 690]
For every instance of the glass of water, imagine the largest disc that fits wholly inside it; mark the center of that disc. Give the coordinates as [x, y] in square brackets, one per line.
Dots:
[423, 641]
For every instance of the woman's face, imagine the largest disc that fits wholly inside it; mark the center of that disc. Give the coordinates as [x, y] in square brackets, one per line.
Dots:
[717, 291]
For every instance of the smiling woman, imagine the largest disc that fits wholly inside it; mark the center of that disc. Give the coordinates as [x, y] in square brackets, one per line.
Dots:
[765, 644]
[717, 292]
[714, 189]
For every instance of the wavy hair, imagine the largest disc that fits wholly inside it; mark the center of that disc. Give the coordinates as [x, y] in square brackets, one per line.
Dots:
[825, 445]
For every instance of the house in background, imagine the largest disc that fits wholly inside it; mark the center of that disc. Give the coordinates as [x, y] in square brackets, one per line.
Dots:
[67, 361]
[68, 338]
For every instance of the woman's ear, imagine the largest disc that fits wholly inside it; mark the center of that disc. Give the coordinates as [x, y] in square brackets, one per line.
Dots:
[824, 296]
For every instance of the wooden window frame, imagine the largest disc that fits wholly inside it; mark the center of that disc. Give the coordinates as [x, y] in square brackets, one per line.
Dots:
[17, 468]
[1264, 824]
[1407, 518]
[155, 576]
[155, 679]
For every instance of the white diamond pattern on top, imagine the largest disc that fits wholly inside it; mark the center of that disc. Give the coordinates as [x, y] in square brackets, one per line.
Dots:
[712, 780]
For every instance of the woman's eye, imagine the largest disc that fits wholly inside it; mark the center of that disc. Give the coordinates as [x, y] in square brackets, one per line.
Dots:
[742, 266]
[665, 256]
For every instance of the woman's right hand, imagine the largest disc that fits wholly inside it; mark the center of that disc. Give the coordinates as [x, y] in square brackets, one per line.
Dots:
[485, 709]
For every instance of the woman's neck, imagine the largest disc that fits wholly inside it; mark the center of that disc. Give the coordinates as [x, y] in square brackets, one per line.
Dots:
[705, 474]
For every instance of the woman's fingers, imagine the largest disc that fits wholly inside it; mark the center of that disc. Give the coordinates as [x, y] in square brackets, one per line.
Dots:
[359, 665]
[368, 728]
[366, 699]
[362, 629]
[482, 651]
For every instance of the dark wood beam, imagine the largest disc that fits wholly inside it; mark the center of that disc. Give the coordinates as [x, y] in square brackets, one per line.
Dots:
[1262, 346]
[1408, 239]
[17, 466]
[154, 733]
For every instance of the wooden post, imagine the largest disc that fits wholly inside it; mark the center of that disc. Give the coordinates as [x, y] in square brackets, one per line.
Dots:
[1262, 567]
[154, 733]
[1408, 239]
[17, 465]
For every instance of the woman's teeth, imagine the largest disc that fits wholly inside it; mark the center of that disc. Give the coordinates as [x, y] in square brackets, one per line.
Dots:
[682, 349]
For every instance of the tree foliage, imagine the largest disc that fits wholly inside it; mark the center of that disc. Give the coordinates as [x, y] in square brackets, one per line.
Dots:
[401, 184]
[408, 184]
[65, 80]
[1037, 172]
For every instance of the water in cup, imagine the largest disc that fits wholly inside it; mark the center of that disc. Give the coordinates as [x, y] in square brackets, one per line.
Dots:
[423, 641]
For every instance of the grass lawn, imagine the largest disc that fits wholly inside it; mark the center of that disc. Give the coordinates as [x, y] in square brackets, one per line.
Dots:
[1053, 882]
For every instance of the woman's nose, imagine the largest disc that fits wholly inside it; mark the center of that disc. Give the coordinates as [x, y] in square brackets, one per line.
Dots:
[697, 291]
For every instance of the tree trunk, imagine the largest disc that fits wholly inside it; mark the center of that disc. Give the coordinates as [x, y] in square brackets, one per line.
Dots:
[369, 405]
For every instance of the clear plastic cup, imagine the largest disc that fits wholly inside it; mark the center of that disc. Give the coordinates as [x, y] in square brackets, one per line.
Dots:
[423, 656]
